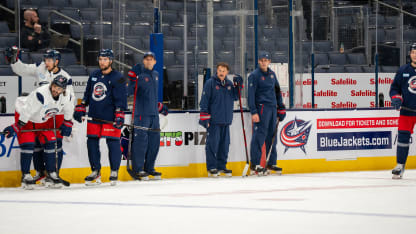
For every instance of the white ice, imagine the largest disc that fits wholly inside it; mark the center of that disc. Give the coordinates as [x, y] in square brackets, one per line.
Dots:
[350, 202]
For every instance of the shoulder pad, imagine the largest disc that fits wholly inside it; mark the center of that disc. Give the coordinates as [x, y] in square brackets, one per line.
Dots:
[40, 97]
[38, 64]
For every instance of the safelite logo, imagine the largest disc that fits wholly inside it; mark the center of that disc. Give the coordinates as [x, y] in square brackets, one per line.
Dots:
[295, 134]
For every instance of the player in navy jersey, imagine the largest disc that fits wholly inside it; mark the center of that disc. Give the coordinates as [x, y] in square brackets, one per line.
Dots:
[403, 98]
[144, 83]
[217, 103]
[106, 97]
[266, 106]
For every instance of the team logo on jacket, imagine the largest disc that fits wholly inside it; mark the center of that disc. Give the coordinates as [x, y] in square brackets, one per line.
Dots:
[412, 84]
[49, 113]
[229, 88]
[99, 91]
[217, 87]
[262, 78]
[295, 134]
[146, 79]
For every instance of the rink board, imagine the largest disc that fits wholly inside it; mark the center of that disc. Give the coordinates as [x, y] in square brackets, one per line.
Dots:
[308, 141]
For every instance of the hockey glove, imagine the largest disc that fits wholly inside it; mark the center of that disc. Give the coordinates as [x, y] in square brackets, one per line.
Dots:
[14, 129]
[281, 114]
[238, 81]
[163, 109]
[12, 54]
[204, 119]
[119, 119]
[80, 111]
[66, 128]
[396, 101]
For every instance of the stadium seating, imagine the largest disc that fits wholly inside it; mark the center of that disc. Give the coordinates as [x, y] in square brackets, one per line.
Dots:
[4, 28]
[76, 70]
[6, 70]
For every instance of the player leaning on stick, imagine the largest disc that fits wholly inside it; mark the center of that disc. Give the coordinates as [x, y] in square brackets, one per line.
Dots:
[37, 113]
[216, 115]
[266, 105]
[403, 98]
[44, 73]
[144, 83]
[106, 96]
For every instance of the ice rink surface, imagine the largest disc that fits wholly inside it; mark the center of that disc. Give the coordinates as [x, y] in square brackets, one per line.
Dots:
[350, 202]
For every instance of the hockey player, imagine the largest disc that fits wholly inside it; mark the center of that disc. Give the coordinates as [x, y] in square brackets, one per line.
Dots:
[266, 105]
[216, 115]
[106, 96]
[403, 98]
[44, 73]
[144, 83]
[37, 112]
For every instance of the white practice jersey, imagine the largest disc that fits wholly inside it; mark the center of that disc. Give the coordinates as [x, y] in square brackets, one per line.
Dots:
[39, 106]
[41, 73]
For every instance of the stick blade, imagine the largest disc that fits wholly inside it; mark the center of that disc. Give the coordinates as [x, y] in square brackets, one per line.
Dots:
[245, 170]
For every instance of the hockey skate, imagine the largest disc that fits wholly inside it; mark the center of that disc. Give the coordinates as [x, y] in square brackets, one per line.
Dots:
[93, 179]
[155, 175]
[28, 182]
[53, 181]
[113, 178]
[272, 169]
[213, 173]
[142, 175]
[256, 170]
[226, 172]
[40, 177]
[398, 171]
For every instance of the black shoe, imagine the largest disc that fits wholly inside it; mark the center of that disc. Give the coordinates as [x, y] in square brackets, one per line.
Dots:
[27, 181]
[227, 172]
[53, 180]
[113, 177]
[256, 170]
[274, 168]
[141, 175]
[213, 173]
[156, 175]
[94, 178]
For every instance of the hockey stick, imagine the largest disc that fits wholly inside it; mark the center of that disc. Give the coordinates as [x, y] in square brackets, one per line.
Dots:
[64, 182]
[407, 108]
[271, 146]
[244, 134]
[126, 125]
[33, 130]
[130, 170]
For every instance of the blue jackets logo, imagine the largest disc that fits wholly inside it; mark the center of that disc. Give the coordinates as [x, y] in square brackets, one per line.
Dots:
[99, 91]
[412, 84]
[295, 134]
[49, 113]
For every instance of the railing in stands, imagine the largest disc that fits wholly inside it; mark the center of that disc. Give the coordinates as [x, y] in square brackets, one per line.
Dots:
[81, 40]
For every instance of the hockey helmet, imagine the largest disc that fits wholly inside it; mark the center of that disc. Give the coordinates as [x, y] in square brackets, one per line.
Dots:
[53, 54]
[60, 81]
[106, 53]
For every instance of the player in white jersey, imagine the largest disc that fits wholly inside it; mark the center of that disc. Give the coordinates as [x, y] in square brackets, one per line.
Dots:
[44, 73]
[34, 121]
